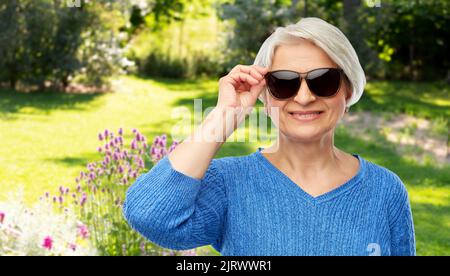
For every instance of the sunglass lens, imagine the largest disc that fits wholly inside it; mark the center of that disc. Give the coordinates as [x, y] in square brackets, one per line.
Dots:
[324, 82]
[283, 84]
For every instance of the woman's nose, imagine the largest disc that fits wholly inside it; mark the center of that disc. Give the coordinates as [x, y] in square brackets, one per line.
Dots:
[304, 95]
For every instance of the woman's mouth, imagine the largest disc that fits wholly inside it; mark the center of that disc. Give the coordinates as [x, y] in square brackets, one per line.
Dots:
[305, 116]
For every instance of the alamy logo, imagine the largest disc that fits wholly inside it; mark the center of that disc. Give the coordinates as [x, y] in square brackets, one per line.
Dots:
[73, 3]
[374, 249]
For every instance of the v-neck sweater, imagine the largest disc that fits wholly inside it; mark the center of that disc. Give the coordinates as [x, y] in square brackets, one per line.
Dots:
[245, 205]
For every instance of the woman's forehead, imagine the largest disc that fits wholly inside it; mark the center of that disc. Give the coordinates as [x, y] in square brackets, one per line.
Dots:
[302, 56]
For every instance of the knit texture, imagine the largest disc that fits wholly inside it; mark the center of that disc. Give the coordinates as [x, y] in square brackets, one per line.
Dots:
[246, 206]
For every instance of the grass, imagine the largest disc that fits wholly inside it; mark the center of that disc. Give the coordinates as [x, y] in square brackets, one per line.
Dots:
[425, 100]
[47, 138]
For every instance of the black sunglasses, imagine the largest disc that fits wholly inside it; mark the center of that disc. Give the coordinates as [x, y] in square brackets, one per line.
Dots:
[322, 82]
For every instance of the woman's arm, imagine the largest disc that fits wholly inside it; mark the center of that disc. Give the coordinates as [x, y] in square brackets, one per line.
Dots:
[177, 211]
[401, 223]
[181, 202]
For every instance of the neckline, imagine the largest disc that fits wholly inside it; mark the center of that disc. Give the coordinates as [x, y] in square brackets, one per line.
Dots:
[303, 194]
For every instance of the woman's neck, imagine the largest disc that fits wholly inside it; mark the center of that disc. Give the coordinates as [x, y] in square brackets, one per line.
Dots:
[307, 160]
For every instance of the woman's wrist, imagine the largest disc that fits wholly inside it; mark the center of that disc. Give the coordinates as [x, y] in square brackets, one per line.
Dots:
[220, 123]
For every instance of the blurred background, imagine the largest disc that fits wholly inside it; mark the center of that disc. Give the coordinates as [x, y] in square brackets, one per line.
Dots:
[87, 90]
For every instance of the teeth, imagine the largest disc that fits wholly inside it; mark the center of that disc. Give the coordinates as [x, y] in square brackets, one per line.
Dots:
[306, 116]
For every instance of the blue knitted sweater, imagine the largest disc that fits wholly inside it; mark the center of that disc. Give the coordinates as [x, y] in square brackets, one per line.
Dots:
[246, 206]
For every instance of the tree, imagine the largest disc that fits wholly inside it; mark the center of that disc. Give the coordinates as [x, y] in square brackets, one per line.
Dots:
[45, 41]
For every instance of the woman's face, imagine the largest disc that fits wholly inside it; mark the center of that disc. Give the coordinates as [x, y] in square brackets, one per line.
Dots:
[304, 57]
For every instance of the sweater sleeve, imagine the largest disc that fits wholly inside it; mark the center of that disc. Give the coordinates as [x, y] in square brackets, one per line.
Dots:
[401, 221]
[177, 211]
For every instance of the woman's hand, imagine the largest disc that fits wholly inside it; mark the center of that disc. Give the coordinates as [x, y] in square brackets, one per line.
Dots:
[241, 87]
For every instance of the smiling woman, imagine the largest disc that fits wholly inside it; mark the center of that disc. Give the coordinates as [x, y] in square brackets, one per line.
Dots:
[301, 195]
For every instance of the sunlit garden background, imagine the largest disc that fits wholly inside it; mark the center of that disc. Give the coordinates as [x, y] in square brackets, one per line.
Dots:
[87, 90]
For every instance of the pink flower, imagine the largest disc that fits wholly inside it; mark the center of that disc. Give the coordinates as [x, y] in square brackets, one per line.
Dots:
[47, 243]
[73, 246]
[2, 217]
[83, 231]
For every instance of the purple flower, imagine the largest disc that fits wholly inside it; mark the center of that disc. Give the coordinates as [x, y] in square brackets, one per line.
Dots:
[120, 131]
[74, 195]
[106, 146]
[47, 243]
[162, 143]
[172, 147]
[115, 156]
[99, 149]
[111, 144]
[120, 169]
[106, 133]
[138, 137]
[142, 248]
[134, 174]
[156, 141]
[47, 194]
[83, 199]
[61, 189]
[133, 145]
[60, 199]
[107, 159]
[92, 176]
[83, 231]
[100, 137]
[67, 190]
[2, 217]
[79, 188]
[55, 199]
[134, 130]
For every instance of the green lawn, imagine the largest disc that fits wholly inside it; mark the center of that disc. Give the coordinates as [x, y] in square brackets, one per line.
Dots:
[47, 138]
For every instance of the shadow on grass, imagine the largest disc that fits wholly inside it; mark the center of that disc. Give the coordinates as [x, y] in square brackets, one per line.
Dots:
[12, 102]
[406, 97]
[75, 161]
[200, 84]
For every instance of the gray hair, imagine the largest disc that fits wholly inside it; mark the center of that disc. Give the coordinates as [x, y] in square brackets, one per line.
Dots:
[324, 35]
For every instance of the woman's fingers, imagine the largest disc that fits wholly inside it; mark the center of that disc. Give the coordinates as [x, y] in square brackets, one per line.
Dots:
[242, 78]
[255, 71]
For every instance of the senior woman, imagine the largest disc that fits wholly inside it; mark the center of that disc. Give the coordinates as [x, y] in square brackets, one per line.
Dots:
[300, 196]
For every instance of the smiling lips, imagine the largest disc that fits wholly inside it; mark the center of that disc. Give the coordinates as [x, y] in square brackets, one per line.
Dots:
[305, 116]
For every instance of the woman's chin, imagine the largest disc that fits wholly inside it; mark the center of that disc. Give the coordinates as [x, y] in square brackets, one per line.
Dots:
[305, 135]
